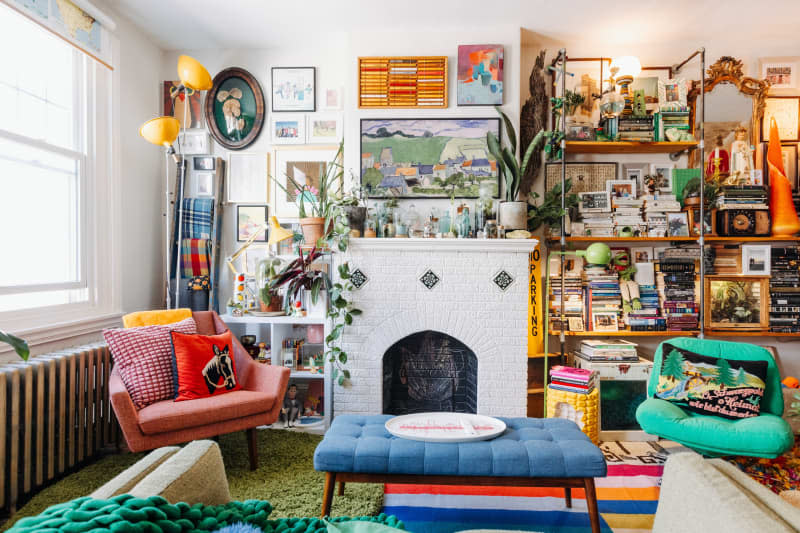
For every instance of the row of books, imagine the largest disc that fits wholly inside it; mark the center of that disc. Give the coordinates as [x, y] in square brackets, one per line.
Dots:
[784, 290]
[676, 286]
[578, 380]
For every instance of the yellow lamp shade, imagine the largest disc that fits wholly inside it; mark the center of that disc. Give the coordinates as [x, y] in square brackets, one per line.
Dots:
[277, 233]
[161, 131]
[193, 75]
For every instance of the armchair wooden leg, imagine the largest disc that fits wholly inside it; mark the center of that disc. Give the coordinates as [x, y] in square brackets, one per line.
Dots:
[568, 497]
[341, 488]
[252, 447]
[591, 503]
[327, 493]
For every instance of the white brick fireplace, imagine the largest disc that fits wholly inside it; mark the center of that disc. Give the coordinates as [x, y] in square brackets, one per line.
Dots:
[470, 299]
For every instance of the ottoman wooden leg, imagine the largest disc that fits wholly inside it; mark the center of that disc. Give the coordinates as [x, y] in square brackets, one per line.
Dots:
[327, 496]
[568, 497]
[341, 488]
[591, 503]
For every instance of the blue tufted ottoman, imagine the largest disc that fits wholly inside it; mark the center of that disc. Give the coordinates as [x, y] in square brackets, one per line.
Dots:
[533, 452]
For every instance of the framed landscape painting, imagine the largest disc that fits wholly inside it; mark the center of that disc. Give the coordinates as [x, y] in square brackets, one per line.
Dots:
[428, 158]
[480, 74]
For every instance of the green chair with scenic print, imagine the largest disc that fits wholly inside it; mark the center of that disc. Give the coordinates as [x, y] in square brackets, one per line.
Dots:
[707, 395]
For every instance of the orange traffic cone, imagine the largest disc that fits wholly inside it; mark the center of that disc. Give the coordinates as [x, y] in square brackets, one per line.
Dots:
[784, 216]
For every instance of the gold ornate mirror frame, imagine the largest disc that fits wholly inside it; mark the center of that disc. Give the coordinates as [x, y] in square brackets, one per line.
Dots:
[728, 69]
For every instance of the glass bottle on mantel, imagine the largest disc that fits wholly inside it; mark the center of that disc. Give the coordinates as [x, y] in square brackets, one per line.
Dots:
[444, 224]
[490, 230]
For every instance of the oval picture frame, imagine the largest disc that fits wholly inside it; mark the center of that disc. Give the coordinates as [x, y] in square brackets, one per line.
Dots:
[234, 108]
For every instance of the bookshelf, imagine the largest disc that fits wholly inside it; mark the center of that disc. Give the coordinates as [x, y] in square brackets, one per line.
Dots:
[628, 147]
[626, 333]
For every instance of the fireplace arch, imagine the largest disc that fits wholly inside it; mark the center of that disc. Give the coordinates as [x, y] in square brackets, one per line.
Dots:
[429, 371]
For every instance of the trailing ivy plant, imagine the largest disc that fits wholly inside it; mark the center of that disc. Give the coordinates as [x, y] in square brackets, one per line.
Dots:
[19, 345]
[341, 313]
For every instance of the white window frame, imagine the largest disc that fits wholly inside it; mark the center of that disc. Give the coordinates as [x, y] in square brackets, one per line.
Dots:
[98, 216]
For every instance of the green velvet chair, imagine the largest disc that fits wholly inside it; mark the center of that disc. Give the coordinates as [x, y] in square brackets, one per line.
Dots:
[766, 435]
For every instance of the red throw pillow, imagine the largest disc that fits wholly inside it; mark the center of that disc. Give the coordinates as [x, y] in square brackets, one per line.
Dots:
[204, 365]
[143, 358]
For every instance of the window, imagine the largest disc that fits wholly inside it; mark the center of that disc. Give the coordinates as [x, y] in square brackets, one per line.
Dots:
[54, 144]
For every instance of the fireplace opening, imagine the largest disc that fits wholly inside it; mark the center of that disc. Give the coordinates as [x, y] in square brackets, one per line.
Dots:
[429, 371]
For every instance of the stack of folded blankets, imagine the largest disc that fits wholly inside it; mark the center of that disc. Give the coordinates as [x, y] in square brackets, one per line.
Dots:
[578, 380]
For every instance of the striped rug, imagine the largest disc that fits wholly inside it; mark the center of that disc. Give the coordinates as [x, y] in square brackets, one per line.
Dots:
[627, 500]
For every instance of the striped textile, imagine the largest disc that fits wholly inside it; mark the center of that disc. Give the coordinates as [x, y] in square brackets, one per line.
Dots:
[195, 257]
[627, 500]
[197, 216]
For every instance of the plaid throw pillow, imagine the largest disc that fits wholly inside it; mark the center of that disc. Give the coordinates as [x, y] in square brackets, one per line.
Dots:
[143, 357]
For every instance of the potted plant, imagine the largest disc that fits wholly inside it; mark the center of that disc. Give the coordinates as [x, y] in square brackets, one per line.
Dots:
[691, 193]
[315, 206]
[19, 345]
[303, 283]
[550, 212]
[513, 213]
[269, 299]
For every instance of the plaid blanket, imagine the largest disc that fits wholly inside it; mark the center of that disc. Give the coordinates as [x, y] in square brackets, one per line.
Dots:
[195, 257]
[197, 215]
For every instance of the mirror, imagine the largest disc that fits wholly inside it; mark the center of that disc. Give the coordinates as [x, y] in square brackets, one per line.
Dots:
[733, 101]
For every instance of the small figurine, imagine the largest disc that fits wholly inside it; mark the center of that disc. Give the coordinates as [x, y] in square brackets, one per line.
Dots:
[741, 159]
[718, 165]
[290, 412]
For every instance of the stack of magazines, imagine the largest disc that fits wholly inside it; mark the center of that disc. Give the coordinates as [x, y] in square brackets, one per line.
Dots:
[579, 380]
[607, 350]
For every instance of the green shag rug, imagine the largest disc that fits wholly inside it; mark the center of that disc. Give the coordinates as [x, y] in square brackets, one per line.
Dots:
[285, 477]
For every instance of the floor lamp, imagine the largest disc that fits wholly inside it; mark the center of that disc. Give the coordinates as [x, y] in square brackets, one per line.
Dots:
[164, 131]
[595, 254]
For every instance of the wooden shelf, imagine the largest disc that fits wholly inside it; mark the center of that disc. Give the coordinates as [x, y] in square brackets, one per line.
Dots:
[537, 390]
[759, 333]
[627, 147]
[627, 333]
[541, 355]
[626, 239]
[710, 238]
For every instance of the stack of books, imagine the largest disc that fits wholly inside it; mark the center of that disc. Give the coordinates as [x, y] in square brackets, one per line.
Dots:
[727, 259]
[598, 224]
[675, 119]
[573, 303]
[579, 380]
[656, 208]
[633, 128]
[677, 285]
[648, 318]
[628, 213]
[743, 197]
[603, 300]
[607, 350]
[784, 290]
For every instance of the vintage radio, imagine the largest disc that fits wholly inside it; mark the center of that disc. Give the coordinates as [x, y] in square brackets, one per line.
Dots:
[743, 222]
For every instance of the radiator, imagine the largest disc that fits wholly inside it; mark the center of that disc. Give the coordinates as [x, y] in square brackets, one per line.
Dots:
[55, 413]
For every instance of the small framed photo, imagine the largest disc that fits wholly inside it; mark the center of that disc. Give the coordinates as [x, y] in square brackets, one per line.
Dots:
[621, 189]
[672, 94]
[333, 99]
[575, 323]
[789, 155]
[781, 73]
[324, 128]
[294, 89]
[677, 224]
[663, 173]
[635, 172]
[737, 302]
[756, 260]
[288, 129]
[605, 321]
[250, 219]
[595, 202]
[642, 254]
[205, 163]
[203, 184]
[194, 142]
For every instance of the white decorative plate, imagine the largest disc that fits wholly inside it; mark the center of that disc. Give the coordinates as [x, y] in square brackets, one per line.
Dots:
[445, 427]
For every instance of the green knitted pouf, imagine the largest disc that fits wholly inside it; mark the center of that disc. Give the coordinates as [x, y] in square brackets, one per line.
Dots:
[126, 514]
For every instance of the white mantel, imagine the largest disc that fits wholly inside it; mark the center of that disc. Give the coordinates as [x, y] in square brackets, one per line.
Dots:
[465, 303]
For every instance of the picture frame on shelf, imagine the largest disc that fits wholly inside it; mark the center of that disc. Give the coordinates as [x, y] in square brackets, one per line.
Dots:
[647, 81]
[781, 73]
[594, 202]
[235, 109]
[737, 302]
[248, 178]
[636, 172]
[575, 323]
[642, 254]
[694, 221]
[664, 173]
[678, 224]
[194, 142]
[204, 163]
[585, 176]
[789, 155]
[786, 111]
[589, 77]
[605, 321]
[673, 94]
[249, 219]
[756, 259]
[621, 189]
[288, 128]
[305, 164]
[324, 128]
[294, 89]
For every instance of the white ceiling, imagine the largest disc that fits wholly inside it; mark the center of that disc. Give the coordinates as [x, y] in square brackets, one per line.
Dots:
[206, 24]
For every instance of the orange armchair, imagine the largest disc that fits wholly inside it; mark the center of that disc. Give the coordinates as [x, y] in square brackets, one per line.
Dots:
[167, 422]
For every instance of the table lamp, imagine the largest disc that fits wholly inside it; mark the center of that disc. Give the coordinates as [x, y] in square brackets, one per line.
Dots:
[597, 253]
[164, 131]
[624, 69]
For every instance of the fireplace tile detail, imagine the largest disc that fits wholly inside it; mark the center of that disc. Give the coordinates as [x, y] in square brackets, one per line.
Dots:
[503, 280]
[358, 278]
[429, 279]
